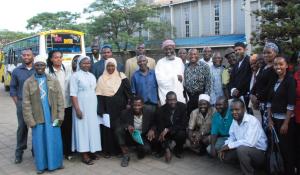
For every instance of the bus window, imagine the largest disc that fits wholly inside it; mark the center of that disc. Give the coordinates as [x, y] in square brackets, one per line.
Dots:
[67, 43]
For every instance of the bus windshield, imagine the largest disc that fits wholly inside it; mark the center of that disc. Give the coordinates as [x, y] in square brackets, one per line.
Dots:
[67, 43]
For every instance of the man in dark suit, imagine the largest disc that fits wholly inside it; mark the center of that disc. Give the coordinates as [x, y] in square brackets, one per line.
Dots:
[172, 121]
[140, 119]
[241, 74]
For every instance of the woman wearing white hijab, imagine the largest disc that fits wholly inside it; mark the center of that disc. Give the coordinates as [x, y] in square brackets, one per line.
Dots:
[113, 93]
[85, 131]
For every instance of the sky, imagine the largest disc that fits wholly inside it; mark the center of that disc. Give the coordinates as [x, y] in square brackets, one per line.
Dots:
[15, 13]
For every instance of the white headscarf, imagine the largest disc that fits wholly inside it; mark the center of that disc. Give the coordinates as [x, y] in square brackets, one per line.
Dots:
[79, 60]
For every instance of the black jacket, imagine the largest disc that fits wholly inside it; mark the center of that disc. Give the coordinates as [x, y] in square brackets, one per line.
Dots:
[284, 95]
[180, 120]
[127, 118]
[240, 77]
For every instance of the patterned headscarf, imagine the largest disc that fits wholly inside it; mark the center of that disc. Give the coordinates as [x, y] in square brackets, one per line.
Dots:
[273, 46]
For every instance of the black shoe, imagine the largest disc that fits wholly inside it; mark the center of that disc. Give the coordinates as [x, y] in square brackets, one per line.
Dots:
[40, 172]
[18, 159]
[125, 161]
[178, 155]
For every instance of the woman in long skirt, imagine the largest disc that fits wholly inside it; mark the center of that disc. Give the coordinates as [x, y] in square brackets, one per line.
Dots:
[113, 93]
[43, 109]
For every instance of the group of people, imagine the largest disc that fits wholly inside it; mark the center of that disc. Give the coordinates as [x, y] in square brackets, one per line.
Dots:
[160, 108]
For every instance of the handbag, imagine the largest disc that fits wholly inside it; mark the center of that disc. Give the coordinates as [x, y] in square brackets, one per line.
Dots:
[274, 157]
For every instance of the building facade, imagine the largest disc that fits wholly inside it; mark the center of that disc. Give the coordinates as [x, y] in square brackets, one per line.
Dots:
[214, 23]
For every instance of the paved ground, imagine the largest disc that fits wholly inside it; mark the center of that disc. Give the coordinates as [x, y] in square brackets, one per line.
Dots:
[190, 165]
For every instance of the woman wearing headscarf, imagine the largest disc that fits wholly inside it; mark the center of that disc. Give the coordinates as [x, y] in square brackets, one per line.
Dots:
[281, 105]
[114, 94]
[261, 87]
[43, 110]
[85, 130]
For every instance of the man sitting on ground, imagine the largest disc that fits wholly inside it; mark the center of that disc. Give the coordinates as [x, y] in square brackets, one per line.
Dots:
[200, 125]
[247, 141]
[136, 118]
[221, 122]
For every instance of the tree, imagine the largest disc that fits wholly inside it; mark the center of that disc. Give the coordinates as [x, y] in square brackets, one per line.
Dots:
[120, 22]
[280, 22]
[48, 21]
[7, 36]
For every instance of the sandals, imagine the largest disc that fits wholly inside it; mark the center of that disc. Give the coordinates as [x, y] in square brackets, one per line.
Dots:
[87, 161]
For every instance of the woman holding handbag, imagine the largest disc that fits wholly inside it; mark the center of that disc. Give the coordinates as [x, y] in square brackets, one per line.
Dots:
[281, 105]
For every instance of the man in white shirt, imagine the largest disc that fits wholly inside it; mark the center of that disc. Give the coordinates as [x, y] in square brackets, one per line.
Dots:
[247, 141]
[169, 73]
[207, 56]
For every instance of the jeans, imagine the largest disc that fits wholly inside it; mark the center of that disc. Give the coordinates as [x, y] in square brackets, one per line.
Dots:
[219, 144]
[22, 131]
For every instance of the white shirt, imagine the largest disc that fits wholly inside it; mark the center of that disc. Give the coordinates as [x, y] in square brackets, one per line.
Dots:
[210, 63]
[138, 122]
[248, 133]
[167, 72]
[63, 76]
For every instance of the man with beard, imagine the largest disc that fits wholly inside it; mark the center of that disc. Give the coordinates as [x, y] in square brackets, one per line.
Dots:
[241, 74]
[19, 75]
[169, 73]
[131, 64]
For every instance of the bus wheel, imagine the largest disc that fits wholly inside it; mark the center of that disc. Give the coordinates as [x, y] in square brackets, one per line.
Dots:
[6, 88]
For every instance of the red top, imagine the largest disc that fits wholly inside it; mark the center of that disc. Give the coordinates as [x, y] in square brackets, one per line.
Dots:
[297, 107]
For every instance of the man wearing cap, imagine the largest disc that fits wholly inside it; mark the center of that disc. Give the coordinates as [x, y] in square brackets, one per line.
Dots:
[231, 59]
[200, 125]
[131, 64]
[169, 73]
[98, 68]
[241, 73]
[19, 75]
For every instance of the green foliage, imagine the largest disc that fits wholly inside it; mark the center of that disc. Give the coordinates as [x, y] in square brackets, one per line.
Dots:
[280, 22]
[59, 20]
[120, 22]
[7, 36]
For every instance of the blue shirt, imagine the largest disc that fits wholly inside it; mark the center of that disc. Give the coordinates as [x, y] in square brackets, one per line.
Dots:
[18, 77]
[145, 86]
[220, 126]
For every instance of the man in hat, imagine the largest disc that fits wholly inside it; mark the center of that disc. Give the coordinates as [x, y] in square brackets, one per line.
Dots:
[200, 125]
[231, 59]
[19, 75]
[169, 73]
[131, 64]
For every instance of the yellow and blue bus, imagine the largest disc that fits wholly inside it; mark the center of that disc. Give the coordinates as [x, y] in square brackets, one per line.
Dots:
[69, 42]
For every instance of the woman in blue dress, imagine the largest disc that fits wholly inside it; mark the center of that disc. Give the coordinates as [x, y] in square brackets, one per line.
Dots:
[43, 108]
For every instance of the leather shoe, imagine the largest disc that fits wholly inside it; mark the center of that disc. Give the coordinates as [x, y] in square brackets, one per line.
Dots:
[18, 160]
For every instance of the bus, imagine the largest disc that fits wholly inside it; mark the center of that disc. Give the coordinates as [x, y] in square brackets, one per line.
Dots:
[69, 42]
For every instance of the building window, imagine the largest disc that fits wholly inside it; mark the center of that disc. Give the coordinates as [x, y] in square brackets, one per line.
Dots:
[187, 22]
[217, 17]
